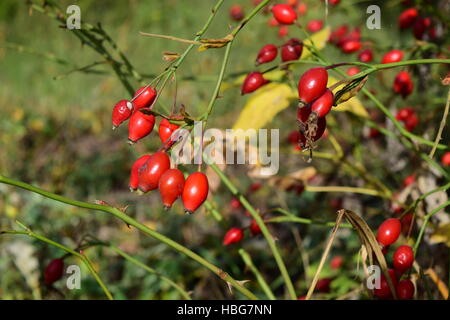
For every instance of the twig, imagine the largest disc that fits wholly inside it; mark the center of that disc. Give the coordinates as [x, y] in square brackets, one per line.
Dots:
[441, 127]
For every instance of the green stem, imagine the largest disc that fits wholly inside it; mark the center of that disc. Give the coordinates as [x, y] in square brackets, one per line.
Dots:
[289, 217]
[141, 227]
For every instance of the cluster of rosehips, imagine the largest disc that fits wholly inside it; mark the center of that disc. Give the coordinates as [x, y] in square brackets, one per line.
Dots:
[234, 235]
[422, 27]
[403, 259]
[150, 172]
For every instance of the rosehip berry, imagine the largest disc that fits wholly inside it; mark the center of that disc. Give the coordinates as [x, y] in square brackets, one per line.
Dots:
[392, 56]
[254, 228]
[144, 98]
[255, 186]
[171, 185]
[314, 25]
[403, 258]
[121, 112]
[409, 180]
[407, 223]
[355, 34]
[139, 126]
[303, 115]
[334, 2]
[350, 46]
[407, 18]
[267, 54]
[403, 84]
[322, 105]
[405, 290]
[195, 191]
[336, 262]
[134, 176]
[236, 13]
[302, 8]
[292, 3]
[291, 50]
[235, 203]
[253, 82]
[54, 271]
[337, 35]
[152, 170]
[404, 113]
[389, 231]
[384, 292]
[294, 139]
[273, 22]
[365, 56]
[312, 84]
[165, 130]
[284, 13]
[323, 285]
[445, 160]
[420, 27]
[283, 31]
[232, 236]
[353, 70]
[408, 117]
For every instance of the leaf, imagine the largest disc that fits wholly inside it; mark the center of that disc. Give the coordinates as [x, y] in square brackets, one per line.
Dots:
[264, 105]
[353, 105]
[441, 235]
[320, 40]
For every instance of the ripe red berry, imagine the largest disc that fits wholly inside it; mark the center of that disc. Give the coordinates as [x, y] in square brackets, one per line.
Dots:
[302, 8]
[409, 180]
[139, 126]
[337, 35]
[336, 262]
[403, 258]
[255, 186]
[236, 13]
[53, 271]
[405, 290]
[195, 191]
[384, 291]
[152, 170]
[312, 84]
[366, 56]
[353, 70]
[407, 18]
[165, 130]
[134, 176]
[273, 22]
[334, 2]
[323, 285]
[392, 56]
[303, 116]
[121, 112]
[407, 223]
[409, 117]
[294, 139]
[314, 25]
[254, 228]
[267, 54]
[144, 97]
[235, 203]
[283, 31]
[284, 13]
[350, 46]
[291, 50]
[445, 160]
[171, 185]
[404, 113]
[389, 231]
[253, 82]
[322, 105]
[232, 236]
[403, 84]
[420, 27]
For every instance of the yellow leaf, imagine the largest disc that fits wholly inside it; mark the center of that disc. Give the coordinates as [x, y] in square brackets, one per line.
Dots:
[441, 235]
[353, 105]
[319, 39]
[264, 105]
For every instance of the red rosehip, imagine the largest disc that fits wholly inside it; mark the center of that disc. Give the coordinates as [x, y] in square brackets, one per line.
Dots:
[409, 180]
[253, 82]
[409, 117]
[254, 228]
[284, 13]
[336, 262]
[384, 292]
[294, 139]
[323, 285]
[273, 22]
[267, 54]
[144, 97]
[405, 290]
[235, 203]
[404, 113]
[337, 35]
[403, 84]
[139, 126]
[283, 31]
[334, 2]
[366, 56]
[236, 13]
[291, 50]
[302, 8]
[420, 27]
[121, 112]
[314, 25]
[195, 191]
[134, 176]
[255, 186]
[407, 223]
[165, 130]
[392, 56]
[351, 46]
[54, 271]
[322, 105]
[303, 116]
[312, 84]
[171, 185]
[152, 170]
[232, 236]
[292, 3]
[445, 160]
[389, 231]
[403, 258]
[407, 18]
[353, 70]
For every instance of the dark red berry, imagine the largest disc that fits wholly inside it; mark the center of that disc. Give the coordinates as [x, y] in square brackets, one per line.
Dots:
[284, 13]
[407, 18]
[389, 231]
[407, 223]
[322, 105]
[235, 203]
[232, 236]
[255, 186]
[403, 258]
[236, 13]
[134, 176]
[254, 228]
[337, 35]
[384, 292]
[139, 126]
[314, 25]
[420, 27]
[171, 185]
[403, 84]
[312, 84]
[303, 115]
[409, 117]
[323, 285]
[253, 82]
[165, 130]
[195, 191]
[392, 56]
[54, 271]
[152, 170]
[366, 56]
[144, 97]
[267, 54]
[291, 50]
[405, 290]
[121, 112]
